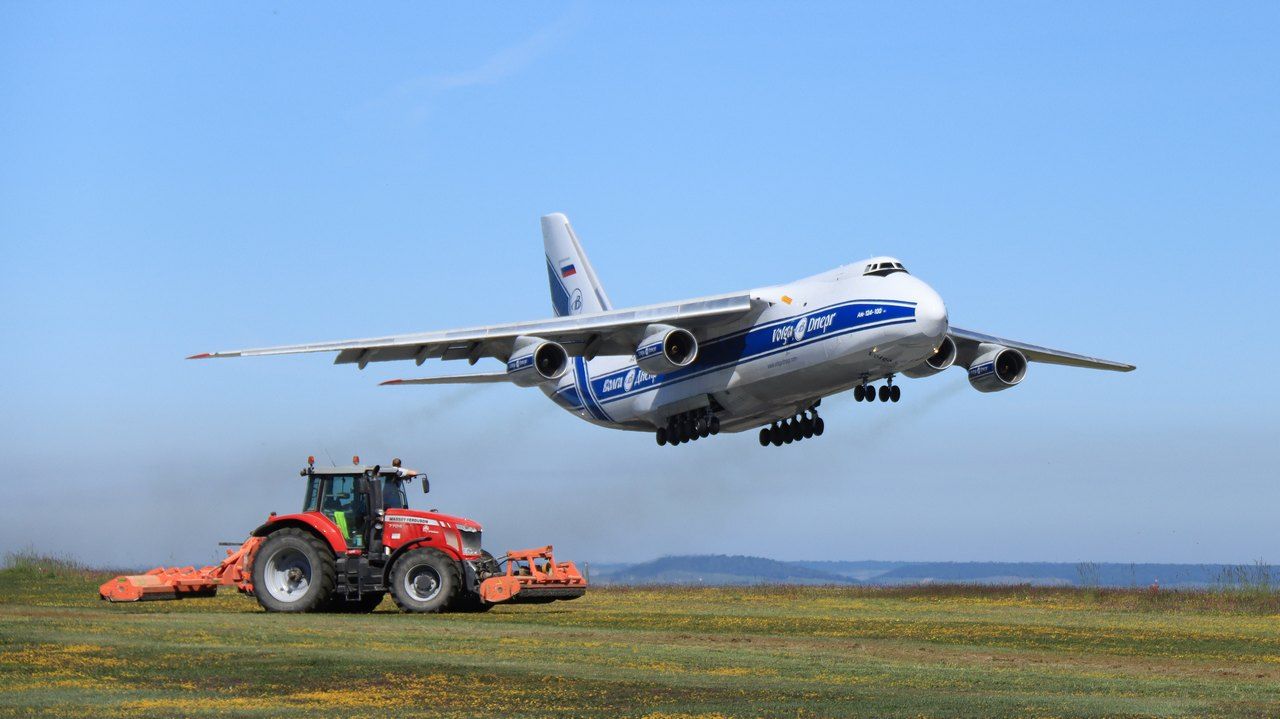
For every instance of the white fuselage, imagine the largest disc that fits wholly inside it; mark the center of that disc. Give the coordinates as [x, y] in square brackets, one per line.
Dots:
[813, 337]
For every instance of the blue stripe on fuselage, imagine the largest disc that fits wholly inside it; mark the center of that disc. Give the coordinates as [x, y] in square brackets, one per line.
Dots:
[757, 342]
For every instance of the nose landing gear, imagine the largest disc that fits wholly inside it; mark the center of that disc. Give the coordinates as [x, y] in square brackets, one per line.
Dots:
[889, 392]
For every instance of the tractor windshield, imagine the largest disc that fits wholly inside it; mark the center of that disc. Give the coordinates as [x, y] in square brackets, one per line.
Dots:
[393, 494]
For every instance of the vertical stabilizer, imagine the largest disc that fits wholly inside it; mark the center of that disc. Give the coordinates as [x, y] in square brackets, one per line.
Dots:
[575, 289]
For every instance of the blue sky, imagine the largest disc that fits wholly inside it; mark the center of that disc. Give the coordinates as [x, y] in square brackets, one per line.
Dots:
[1097, 177]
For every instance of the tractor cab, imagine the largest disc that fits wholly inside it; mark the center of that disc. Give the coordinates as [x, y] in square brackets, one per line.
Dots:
[368, 506]
[351, 497]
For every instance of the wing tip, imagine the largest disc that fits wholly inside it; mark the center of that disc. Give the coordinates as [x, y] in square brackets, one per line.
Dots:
[202, 355]
[390, 382]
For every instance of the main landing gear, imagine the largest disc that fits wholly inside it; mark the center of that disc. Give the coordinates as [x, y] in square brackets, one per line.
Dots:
[889, 392]
[688, 427]
[803, 426]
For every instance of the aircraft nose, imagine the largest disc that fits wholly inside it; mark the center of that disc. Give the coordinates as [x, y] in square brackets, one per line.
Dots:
[931, 313]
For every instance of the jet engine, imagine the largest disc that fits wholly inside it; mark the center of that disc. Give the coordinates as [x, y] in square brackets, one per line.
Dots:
[942, 358]
[665, 348]
[535, 360]
[997, 368]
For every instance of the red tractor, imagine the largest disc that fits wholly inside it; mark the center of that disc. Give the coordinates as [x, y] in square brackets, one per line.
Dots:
[355, 540]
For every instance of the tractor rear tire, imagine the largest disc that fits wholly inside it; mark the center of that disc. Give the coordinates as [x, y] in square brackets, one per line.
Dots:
[293, 571]
[425, 581]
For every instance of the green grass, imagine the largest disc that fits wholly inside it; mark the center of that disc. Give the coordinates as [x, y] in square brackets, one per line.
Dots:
[665, 652]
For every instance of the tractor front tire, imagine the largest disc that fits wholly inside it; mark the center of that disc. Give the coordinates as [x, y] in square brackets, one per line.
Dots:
[293, 571]
[425, 581]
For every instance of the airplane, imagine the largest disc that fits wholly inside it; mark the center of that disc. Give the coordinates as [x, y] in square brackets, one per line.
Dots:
[725, 363]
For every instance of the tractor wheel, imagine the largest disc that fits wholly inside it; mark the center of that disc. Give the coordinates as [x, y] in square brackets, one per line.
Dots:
[364, 605]
[425, 581]
[293, 571]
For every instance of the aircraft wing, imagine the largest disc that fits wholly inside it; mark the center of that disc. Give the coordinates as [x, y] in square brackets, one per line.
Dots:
[967, 344]
[611, 332]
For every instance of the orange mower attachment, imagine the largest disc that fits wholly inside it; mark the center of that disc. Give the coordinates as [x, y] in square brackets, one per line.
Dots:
[533, 577]
[180, 582]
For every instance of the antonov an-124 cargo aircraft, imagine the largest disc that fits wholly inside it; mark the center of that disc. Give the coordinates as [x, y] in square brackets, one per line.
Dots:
[727, 363]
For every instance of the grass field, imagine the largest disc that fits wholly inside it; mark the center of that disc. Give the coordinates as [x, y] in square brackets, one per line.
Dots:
[667, 652]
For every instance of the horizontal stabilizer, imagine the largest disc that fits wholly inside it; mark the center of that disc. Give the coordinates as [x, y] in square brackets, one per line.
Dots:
[474, 378]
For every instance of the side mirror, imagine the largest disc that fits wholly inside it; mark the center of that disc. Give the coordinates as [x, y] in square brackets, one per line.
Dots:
[426, 485]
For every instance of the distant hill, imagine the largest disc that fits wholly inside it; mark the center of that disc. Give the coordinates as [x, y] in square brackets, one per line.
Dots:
[1042, 573]
[716, 570]
[737, 570]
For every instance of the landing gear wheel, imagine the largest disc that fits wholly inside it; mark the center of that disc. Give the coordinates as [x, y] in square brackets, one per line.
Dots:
[715, 425]
[775, 434]
[859, 393]
[764, 436]
[884, 393]
[806, 425]
[661, 436]
[895, 393]
[293, 571]
[818, 426]
[425, 581]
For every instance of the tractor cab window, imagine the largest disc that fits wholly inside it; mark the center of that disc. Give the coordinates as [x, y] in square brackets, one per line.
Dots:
[393, 494]
[345, 505]
[312, 503]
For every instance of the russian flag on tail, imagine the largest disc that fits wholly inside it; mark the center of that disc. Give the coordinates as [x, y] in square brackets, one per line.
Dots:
[568, 271]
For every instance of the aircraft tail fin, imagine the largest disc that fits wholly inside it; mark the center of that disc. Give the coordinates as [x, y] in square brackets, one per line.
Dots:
[575, 289]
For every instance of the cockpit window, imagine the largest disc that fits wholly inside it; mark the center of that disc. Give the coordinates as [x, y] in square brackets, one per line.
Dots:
[884, 269]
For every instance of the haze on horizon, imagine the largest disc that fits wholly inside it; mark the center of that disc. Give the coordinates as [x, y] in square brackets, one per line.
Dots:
[1092, 177]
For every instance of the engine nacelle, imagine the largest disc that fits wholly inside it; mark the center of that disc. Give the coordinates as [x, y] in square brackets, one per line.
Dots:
[535, 360]
[665, 349]
[997, 368]
[942, 358]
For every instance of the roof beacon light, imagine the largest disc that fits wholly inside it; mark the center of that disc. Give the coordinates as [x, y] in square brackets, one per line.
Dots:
[355, 459]
[311, 460]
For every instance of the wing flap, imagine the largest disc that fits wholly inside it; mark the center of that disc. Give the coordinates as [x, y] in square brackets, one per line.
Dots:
[968, 342]
[477, 378]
